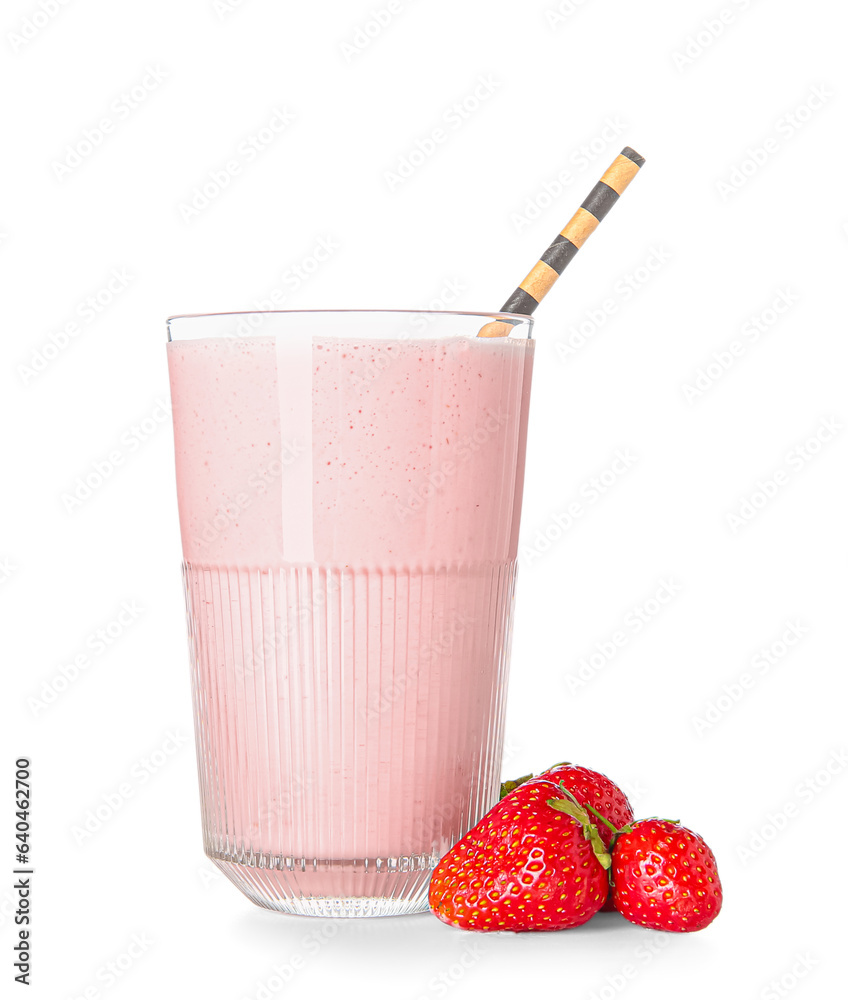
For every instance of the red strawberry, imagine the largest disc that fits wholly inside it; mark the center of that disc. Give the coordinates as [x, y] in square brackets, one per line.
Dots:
[534, 862]
[664, 877]
[595, 789]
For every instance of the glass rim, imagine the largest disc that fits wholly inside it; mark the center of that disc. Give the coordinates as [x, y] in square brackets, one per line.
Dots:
[292, 312]
[181, 329]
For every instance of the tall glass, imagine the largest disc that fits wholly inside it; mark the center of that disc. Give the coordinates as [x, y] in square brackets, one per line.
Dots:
[349, 488]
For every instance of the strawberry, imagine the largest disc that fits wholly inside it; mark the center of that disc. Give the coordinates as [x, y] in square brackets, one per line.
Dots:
[534, 862]
[594, 789]
[591, 788]
[664, 877]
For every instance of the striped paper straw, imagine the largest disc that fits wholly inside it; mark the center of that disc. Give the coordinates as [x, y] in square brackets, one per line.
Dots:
[564, 248]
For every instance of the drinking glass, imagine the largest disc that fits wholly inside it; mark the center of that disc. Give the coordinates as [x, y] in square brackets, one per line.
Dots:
[349, 487]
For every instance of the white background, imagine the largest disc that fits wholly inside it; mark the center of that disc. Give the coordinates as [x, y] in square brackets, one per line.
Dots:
[742, 198]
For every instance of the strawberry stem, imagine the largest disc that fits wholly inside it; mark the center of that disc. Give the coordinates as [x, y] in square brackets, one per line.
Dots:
[590, 831]
[604, 820]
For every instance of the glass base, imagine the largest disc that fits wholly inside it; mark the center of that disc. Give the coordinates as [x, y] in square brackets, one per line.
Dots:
[365, 887]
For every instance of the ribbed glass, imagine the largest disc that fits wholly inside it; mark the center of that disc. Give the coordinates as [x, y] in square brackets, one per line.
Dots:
[350, 490]
[344, 749]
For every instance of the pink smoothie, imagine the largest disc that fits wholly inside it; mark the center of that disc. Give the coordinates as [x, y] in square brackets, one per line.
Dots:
[349, 513]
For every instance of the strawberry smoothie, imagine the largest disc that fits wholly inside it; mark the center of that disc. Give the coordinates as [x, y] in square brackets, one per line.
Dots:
[349, 509]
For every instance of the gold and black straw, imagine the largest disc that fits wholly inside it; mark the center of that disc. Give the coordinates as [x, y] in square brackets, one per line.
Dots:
[564, 248]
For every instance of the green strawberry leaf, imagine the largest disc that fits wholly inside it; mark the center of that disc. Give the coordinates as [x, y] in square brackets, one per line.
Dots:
[590, 831]
[512, 784]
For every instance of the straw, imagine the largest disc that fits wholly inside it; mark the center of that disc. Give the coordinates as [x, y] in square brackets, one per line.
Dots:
[564, 248]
